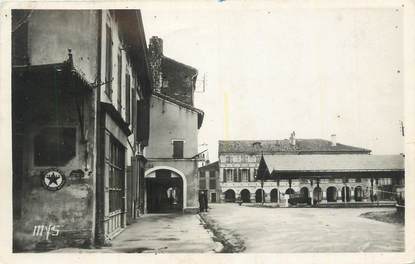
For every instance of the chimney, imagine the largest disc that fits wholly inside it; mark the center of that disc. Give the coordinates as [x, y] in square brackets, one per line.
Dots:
[155, 49]
[333, 140]
[292, 138]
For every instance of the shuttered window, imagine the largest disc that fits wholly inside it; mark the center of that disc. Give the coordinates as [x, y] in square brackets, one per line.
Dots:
[127, 98]
[108, 63]
[178, 149]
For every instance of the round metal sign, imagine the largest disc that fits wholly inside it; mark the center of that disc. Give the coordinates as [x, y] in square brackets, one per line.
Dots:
[53, 179]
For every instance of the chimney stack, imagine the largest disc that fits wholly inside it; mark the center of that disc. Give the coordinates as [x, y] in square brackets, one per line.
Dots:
[333, 140]
[292, 138]
[155, 49]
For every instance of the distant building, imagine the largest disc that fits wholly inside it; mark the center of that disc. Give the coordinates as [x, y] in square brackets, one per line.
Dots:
[171, 171]
[209, 181]
[315, 170]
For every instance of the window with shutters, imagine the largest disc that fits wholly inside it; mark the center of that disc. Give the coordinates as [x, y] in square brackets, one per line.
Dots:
[212, 183]
[178, 149]
[119, 76]
[127, 98]
[108, 63]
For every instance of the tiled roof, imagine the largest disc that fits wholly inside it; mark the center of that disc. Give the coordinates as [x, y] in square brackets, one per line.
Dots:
[308, 146]
[334, 162]
[211, 166]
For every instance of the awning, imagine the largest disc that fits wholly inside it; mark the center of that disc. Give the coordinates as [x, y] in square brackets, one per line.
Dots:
[29, 80]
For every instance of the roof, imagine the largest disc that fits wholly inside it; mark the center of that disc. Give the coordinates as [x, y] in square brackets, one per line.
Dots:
[200, 113]
[334, 163]
[167, 59]
[211, 166]
[272, 146]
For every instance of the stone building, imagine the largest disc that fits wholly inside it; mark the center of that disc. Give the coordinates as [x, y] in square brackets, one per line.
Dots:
[314, 170]
[209, 181]
[171, 171]
[80, 99]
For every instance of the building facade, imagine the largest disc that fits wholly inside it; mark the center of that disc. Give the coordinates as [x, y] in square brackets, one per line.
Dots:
[80, 89]
[365, 175]
[171, 171]
[209, 181]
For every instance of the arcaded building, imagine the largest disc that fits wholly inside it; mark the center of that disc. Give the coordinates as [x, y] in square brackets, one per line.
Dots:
[316, 170]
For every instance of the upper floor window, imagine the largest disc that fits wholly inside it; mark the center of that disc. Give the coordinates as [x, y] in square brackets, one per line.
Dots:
[212, 174]
[228, 159]
[212, 183]
[119, 76]
[178, 149]
[108, 62]
[54, 146]
[127, 98]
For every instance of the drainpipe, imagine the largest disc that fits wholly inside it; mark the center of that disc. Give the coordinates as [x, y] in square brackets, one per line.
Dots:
[99, 183]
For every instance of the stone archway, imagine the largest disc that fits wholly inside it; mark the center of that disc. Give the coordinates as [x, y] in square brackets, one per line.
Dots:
[230, 196]
[166, 189]
[331, 194]
[274, 195]
[304, 193]
[290, 191]
[245, 196]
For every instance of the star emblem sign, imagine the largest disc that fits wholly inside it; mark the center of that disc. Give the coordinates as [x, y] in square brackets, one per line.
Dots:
[53, 179]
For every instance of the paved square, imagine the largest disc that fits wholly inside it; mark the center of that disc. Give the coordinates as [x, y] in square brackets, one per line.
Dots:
[296, 230]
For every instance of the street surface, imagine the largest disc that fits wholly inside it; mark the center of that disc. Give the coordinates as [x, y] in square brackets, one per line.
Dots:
[160, 233]
[296, 230]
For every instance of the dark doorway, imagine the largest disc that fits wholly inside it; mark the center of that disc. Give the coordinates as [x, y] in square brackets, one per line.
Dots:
[274, 196]
[164, 193]
[358, 194]
[229, 196]
[213, 197]
[304, 192]
[259, 194]
[346, 194]
[245, 196]
[331, 194]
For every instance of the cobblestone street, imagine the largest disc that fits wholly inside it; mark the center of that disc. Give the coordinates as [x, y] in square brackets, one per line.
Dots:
[297, 230]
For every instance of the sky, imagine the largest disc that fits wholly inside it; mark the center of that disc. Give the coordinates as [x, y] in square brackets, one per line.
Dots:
[271, 71]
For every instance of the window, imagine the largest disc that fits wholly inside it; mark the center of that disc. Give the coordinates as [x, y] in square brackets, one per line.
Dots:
[116, 163]
[178, 149]
[108, 63]
[235, 175]
[119, 76]
[332, 180]
[228, 159]
[358, 179]
[127, 98]
[212, 183]
[245, 175]
[54, 146]
[212, 174]
[228, 177]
